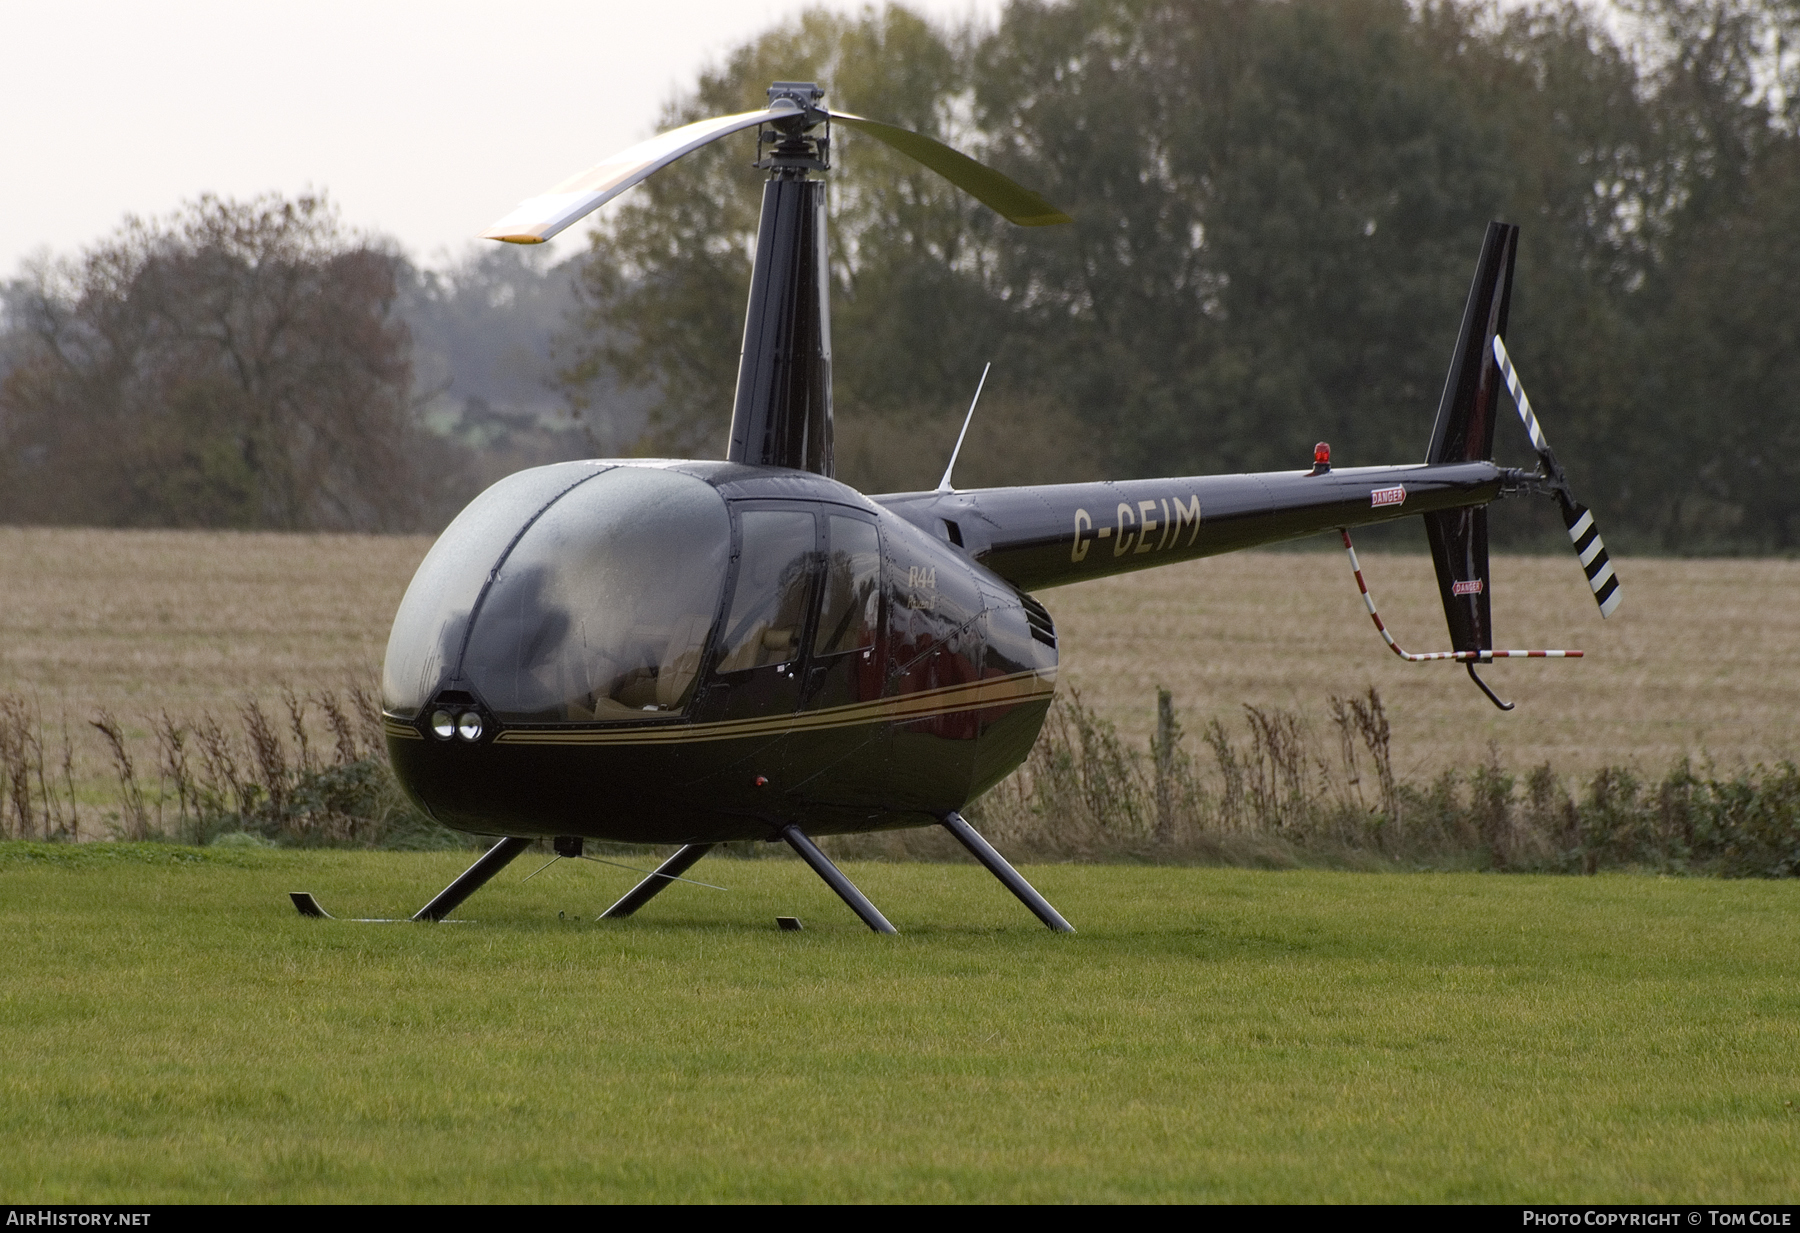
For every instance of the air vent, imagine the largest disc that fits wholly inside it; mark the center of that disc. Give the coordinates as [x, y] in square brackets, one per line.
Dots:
[1042, 628]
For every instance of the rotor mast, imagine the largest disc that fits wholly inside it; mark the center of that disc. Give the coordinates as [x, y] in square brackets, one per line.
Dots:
[781, 416]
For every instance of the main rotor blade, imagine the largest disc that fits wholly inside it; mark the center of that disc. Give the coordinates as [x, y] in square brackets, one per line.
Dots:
[536, 219]
[1006, 197]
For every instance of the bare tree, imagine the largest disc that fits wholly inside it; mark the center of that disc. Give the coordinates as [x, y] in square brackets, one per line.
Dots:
[239, 364]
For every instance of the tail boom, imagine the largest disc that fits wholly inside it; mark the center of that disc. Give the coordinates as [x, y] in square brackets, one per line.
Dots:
[1053, 534]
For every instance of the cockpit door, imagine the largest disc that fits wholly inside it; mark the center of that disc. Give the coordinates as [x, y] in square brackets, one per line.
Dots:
[847, 659]
[762, 645]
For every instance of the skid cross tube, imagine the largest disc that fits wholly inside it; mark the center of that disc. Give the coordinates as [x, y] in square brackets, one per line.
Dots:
[472, 879]
[835, 879]
[658, 878]
[997, 865]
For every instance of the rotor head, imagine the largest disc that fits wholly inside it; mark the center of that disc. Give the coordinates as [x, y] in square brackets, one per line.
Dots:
[794, 145]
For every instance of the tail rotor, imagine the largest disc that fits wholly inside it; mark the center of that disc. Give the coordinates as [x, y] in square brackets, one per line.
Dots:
[1464, 433]
[1584, 534]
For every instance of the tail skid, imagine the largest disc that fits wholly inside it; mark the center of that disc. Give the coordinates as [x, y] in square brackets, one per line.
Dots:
[1467, 658]
[1421, 657]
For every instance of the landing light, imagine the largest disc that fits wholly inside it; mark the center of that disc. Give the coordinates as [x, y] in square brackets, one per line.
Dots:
[469, 726]
[442, 725]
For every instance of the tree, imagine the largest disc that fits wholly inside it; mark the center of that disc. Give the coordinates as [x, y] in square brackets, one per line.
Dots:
[1278, 205]
[1716, 313]
[912, 317]
[239, 364]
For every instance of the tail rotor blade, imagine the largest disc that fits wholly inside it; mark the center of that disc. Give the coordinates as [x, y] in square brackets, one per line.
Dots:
[1585, 535]
[1583, 532]
[1539, 442]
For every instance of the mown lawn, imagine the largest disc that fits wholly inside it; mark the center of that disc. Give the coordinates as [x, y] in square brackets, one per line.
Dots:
[174, 1032]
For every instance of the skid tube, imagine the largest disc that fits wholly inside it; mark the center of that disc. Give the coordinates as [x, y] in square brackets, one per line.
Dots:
[445, 901]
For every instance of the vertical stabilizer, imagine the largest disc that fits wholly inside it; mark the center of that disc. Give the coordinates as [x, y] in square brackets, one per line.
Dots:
[1464, 432]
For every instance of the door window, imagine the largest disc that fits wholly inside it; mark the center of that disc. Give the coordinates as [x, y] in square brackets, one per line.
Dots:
[774, 590]
[852, 603]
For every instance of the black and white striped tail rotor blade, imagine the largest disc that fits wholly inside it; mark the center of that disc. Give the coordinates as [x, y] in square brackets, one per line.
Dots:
[1583, 532]
[1538, 441]
[1594, 561]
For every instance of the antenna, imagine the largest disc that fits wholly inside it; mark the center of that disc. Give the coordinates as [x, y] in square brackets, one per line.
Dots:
[944, 484]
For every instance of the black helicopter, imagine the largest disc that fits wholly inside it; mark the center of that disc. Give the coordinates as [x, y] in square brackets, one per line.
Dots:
[686, 652]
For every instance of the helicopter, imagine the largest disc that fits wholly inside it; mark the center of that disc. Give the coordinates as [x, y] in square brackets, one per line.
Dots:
[692, 653]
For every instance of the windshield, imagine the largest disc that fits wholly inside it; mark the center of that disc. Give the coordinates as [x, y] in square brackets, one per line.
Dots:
[428, 630]
[602, 609]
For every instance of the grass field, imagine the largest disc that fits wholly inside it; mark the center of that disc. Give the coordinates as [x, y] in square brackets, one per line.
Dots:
[175, 1032]
[1703, 658]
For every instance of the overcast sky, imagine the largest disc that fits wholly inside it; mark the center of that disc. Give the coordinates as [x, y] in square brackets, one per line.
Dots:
[426, 121]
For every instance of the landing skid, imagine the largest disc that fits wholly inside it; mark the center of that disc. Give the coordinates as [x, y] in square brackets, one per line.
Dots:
[447, 900]
[659, 878]
[472, 879]
[835, 879]
[503, 853]
[307, 906]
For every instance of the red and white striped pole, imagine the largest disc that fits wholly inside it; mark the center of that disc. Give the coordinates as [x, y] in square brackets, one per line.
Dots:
[1457, 656]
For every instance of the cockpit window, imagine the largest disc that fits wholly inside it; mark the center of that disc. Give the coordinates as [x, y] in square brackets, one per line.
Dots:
[774, 585]
[428, 629]
[851, 608]
[602, 610]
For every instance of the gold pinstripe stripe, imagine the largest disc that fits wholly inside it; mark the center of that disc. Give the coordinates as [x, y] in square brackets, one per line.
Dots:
[405, 732]
[926, 704]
